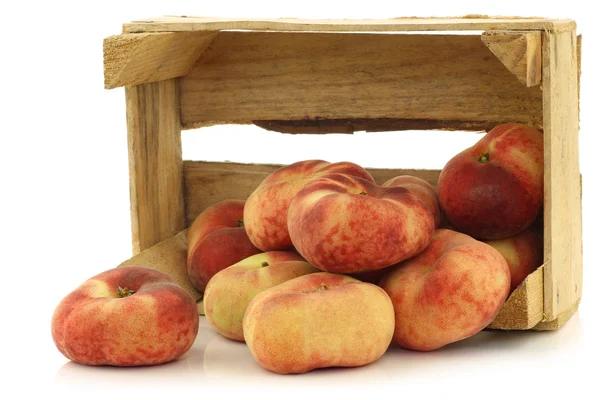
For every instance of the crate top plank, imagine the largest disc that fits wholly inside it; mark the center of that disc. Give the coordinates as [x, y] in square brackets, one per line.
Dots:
[466, 23]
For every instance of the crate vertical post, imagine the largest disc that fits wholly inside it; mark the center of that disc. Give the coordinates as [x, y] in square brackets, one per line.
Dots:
[562, 190]
[155, 162]
[148, 65]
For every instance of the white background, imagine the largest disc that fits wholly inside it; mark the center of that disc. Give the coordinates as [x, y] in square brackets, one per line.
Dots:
[64, 213]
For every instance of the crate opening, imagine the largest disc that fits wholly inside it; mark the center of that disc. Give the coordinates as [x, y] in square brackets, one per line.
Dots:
[249, 144]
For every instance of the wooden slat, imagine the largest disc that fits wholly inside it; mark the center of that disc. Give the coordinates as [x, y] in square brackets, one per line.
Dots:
[558, 322]
[207, 183]
[470, 22]
[562, 196]
[579, 67]
[135, 58]
[352, 125]
[525, 305]
[520, 52]
[249, 76]
[155, 163]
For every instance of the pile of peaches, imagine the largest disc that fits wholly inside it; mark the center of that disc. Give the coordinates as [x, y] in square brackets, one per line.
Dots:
[322, 267]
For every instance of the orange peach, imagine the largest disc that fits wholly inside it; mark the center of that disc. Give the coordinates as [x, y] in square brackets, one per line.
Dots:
[316, 321]
[523, 252]
[344, 224]
[216, 240]
[265, 213]
[422, 189]
[495, 188]
[126, 316]
[230, 291]
[447, 293]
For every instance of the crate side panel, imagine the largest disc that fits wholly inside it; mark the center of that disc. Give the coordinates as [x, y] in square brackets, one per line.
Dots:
[247, 76]
[131, 59]
[524, 307]
[155, 162]
[207, 183]
[558, 322]
[471, 22]
[562, 192]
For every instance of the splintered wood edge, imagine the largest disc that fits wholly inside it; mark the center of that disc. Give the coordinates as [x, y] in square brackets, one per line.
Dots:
[169, 257]
[520, 52]
[470, 22]
[524, 308]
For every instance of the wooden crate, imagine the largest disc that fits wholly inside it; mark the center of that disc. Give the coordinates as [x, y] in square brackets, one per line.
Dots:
[332, 76]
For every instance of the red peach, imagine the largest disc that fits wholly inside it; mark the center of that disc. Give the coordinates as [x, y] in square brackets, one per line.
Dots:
[216, 240]
[495, 188]
[523, 252]
[266, 210]
[449, 292]
[126, 316]
[344, 224]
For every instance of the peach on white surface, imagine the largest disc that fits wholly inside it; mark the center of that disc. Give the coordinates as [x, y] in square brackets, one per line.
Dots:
[126, 316]
[318, 320]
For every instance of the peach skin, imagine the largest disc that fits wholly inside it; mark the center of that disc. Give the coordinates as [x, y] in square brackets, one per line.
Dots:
[126, 316]
[216, 240]
[495, 188]
[265, 213]
[422, 189]
[447, 293]
[230, 291]
[523, 252]
[344, 224]
[316, 321]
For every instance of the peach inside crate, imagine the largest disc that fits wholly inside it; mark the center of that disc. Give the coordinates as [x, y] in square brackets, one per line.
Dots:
[300, 76]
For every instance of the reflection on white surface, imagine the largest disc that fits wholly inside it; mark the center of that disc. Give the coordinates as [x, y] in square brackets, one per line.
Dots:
[215, 359]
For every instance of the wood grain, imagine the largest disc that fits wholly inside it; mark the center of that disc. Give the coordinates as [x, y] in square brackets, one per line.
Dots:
[558, 322]
[168, 256]
[524, 308]
[249, 76]
[207, 183]
[134, 58]
[562, 195]
[520, 52]
[155, 163]
[469, 22]
[352, 125]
